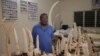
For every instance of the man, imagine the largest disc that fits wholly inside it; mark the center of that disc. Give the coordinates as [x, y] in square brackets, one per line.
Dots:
[45, 32]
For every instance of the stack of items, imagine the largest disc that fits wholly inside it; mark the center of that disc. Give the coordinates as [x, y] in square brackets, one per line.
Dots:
[76, 44]
[7, 32]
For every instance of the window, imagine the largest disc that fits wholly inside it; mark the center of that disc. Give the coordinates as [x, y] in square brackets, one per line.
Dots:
[78, 18]
[87, 18]
[98, 19]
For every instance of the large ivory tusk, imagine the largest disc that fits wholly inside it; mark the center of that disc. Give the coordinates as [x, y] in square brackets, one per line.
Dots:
[25, 41]
[59, 51]
[31, 46]
[85, 49]
[37, 52]
[37, 49]
[66, 50]
[7, 31]
[75, 31]
[53, 49]
[37, 42]
[17, 44]
[63, 41]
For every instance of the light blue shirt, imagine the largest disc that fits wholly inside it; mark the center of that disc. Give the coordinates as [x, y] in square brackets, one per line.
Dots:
[45, 37]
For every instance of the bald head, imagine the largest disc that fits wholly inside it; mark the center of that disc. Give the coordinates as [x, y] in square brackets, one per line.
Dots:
[44, 19]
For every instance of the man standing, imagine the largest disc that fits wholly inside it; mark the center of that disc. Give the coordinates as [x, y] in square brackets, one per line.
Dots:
[45, 32]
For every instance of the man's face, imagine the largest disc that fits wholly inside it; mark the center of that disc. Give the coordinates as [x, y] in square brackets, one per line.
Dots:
[44, 20]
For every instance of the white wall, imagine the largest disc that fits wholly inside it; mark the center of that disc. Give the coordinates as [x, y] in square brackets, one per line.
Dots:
[68, 7]
[23, 21]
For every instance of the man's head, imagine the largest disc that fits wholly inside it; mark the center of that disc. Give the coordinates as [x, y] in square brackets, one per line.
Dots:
[44, 19]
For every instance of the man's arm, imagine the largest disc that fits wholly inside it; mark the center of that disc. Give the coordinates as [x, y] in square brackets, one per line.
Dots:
[34, 34]
[52, 33]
